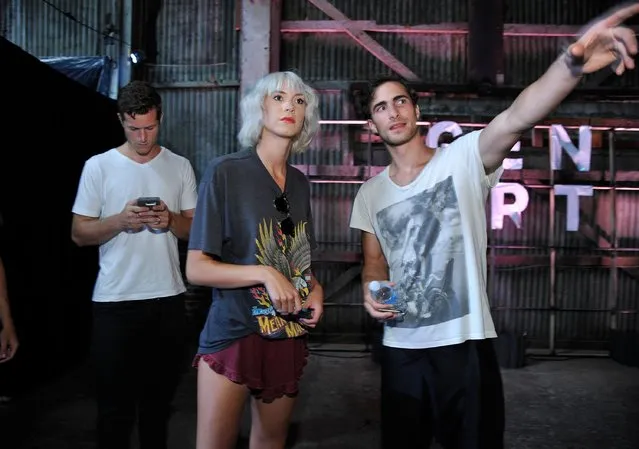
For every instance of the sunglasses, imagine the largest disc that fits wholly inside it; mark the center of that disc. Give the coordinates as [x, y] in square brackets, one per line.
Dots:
[283, 206]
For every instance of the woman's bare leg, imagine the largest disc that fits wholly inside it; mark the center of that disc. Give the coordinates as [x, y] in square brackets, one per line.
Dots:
[220, 403]
[270, 422]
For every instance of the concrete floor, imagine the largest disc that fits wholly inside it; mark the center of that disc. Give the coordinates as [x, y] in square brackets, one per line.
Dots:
[551, 404]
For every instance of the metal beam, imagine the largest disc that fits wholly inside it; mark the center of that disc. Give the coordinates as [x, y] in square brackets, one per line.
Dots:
[485, 42]
[126, 21]
[356, 174]
[197, 85]
[366, 41]
[339, 26]
[326, 26]
[342, 281]
[255, 48]
[276, 36]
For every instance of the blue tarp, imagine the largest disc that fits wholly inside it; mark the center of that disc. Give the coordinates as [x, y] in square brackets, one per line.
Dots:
[93, 72]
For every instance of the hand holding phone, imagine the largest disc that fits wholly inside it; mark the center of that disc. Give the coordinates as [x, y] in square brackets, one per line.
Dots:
[158, 216]
[139, 213]
[148, 201]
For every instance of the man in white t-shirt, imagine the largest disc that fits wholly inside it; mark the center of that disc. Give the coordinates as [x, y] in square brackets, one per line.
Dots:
[135, 202]
[423, 228]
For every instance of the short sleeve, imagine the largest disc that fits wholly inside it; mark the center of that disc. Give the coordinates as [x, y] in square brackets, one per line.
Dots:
[207, 228]
[88, 200]
[311, 224]
[468, 145]
[360, 213]
[188, 199]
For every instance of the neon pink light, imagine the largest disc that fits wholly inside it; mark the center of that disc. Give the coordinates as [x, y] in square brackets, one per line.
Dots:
[481, 125]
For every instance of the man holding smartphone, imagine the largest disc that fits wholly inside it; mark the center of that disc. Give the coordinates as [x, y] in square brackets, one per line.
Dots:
[135, 202]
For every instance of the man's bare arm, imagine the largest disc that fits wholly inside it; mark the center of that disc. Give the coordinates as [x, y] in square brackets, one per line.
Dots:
[375, 266]
[86, 231]
[603, 44]
[180, 223]
[531, 106]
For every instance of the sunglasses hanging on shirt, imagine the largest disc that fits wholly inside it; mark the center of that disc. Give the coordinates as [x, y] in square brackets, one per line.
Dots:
[283, 206]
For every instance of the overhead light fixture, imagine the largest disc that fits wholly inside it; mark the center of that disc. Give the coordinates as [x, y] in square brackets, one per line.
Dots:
[136, 56]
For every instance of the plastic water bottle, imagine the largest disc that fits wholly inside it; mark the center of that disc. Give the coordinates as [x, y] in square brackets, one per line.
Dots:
[383, 292]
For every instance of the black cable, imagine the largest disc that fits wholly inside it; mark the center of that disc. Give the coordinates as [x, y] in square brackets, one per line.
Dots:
[68, 15]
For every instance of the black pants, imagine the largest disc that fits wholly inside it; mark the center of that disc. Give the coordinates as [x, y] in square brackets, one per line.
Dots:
[453, 394]
[139, 354]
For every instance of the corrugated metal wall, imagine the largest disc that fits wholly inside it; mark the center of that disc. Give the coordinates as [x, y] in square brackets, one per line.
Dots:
[199, 123]
[440, 59]
[436, 58]
[197, 74]
[197, 71]
[397, 12]
[562, 12]
[197, 41]
[521, 294]
[45, 30]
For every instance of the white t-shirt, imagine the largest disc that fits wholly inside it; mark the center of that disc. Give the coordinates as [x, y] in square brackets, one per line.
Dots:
[144, 264]
[433, 235]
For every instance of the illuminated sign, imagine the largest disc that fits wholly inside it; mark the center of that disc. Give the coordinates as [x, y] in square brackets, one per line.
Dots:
[559, 141]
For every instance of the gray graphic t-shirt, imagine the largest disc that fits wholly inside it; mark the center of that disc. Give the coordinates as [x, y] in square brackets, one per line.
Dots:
[433, 235]
[237, 222]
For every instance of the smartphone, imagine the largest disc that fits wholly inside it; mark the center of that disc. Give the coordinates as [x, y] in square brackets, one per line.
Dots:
[148, 201]
[395, 311]
[306, 313]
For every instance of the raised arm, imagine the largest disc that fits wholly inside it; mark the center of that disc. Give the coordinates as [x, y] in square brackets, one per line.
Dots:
[603, 43]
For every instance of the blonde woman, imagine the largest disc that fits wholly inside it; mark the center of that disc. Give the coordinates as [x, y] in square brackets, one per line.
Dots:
[251, 242]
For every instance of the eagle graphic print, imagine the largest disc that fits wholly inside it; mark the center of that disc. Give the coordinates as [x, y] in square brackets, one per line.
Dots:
[423, 234]
[291, 256]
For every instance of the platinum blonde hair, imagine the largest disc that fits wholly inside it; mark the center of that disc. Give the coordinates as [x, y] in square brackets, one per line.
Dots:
[252, 109]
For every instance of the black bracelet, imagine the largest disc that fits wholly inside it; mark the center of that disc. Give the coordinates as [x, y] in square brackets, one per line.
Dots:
[575, 65]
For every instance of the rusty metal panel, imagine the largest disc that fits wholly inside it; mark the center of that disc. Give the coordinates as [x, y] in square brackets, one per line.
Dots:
[7, 13]
[526, 58]
[404, 12]
[331, 145]
[73, 29]
[582, 294]
[436, 58]
[552, 12]
[627, 314]
[199, 124]
[627, 219]
[331, 204]
[344, 316]
[197, 42]
[519, 301]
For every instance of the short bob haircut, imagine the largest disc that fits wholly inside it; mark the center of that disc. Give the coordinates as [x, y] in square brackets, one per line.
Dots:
[251, 109]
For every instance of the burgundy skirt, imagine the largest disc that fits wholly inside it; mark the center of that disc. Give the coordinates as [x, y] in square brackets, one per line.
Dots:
[270, 369]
